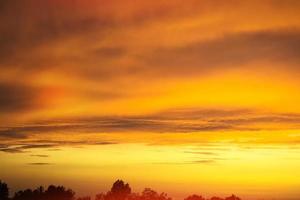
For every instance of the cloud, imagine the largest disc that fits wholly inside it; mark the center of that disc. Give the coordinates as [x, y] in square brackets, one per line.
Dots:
[230, 50]
[34, 146]
[170, 121]
[40, 155]
[99, 55]
[262, 119]
[204, 161]
[52, 145]
[28, 27]
[101, 130]
[23, 148]
[11, 134]
[40, 163]
[201, 152]
[95, 53]
[118, 124]
[16, 97]
[11, 150]
[110, 52]
[27, 30]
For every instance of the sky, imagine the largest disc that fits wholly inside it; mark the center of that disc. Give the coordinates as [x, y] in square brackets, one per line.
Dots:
[192, 92]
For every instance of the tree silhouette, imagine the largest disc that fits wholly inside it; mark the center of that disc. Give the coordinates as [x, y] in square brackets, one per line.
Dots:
[84, 198]
[232, 197]
[59, 193]
[122, 191]
[118, 191]
[27, 194]
[4, 192]
[134, 196]
[149, 194]
[216, 198]
[194, 197]
[53, 192]
[100, 196]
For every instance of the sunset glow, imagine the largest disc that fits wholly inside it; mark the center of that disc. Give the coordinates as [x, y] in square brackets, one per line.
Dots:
[185, 97]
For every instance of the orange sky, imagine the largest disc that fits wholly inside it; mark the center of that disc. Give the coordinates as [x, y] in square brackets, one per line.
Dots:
[167, 73]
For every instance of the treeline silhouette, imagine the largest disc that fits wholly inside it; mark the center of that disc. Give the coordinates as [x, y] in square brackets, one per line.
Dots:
[119, 191]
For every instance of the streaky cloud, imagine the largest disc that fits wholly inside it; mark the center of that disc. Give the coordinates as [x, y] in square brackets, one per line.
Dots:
[40, 163]
[230, 51]
[40, 155]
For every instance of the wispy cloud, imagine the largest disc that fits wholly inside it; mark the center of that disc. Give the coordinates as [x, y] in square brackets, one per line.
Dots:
[40, 155]
[188, 120]
[181, 120]
[52, 145]
[40, 163]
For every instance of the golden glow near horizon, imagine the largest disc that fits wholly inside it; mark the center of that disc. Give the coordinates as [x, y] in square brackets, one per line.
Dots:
[201, 95]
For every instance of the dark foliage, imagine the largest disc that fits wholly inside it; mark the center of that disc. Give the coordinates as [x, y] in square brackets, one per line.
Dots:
[194, 197]
[52, 193]
[4, 192]
[232, 197]
[216, 198]
[84, 198]
[119, 191]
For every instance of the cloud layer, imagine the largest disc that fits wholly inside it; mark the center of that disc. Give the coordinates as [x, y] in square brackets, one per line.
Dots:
[104, 130]
[126, 62]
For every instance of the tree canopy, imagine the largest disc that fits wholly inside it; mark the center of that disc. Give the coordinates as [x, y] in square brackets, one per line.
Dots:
[119, 191]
